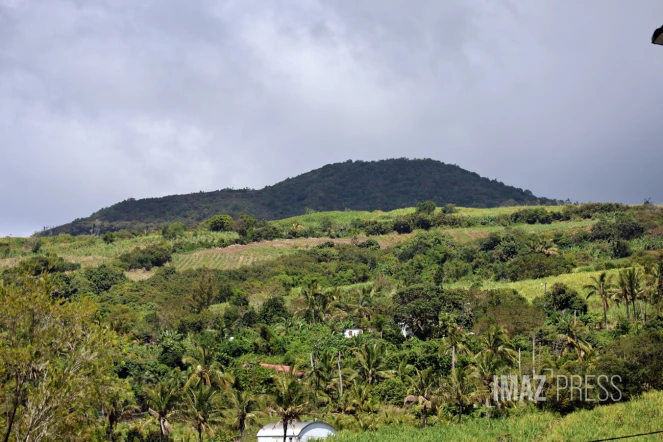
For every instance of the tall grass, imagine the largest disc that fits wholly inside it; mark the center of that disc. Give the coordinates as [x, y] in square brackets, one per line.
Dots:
[642, 415]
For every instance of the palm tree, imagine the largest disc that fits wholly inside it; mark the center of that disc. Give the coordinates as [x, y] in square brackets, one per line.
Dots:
[459, 389]
[423, 391]
[543, 245]
[201, 408]
[289, 401]
[204, 369]
[372, 363]
[623, 295]
[601, 287]
[311, 293]
[634, 286]
[496, 340]
[118, 404]
[454, 340]
[360, 399]
[242, 408]
[656, 272]
[162, 400]
[362, 305]
[486, 366]
[572, 335]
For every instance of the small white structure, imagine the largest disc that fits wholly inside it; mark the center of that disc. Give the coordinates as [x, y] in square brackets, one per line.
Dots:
[297, 432]
[405, 330]
[352, 332]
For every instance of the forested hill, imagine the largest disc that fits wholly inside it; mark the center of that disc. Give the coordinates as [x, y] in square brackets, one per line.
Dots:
[356, 185]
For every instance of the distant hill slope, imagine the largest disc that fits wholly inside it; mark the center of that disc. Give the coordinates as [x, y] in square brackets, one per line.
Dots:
[356, 185]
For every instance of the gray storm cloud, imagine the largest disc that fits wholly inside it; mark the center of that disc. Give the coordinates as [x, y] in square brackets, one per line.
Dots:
[105, 100]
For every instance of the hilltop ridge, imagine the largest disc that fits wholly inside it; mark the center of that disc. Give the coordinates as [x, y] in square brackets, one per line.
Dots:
[356, 185]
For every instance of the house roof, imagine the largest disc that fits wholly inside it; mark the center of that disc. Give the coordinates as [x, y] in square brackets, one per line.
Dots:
[276, 429]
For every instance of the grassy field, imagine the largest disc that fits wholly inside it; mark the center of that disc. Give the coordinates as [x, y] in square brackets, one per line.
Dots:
[342, 217]
[346, 217]
[531, 288]
[472, 233]
[642, 415]
[229, 258]
[91, 251]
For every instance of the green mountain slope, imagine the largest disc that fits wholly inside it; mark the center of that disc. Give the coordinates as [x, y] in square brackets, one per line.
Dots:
[356, 185]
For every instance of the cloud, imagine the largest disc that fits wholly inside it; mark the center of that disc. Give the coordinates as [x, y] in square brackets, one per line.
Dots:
[103, 100]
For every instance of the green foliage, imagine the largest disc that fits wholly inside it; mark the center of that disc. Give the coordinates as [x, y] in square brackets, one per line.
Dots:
[56, 361]
[173, 230]
[104, 277]
[220, 223]
[560, 298]
[49, 263]
[109, 237]
[623, 227]
[154, 255]
[360, 185]
[426, 207]
[272, 311]
[537, 265]
[620, 249]
[538, 215]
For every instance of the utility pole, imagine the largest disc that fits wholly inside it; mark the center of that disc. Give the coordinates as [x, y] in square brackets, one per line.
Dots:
[340, 376]
[533, 355]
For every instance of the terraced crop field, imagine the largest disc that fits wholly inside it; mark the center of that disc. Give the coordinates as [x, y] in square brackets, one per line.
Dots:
[472, 233]
[227, 258]
[236, 256]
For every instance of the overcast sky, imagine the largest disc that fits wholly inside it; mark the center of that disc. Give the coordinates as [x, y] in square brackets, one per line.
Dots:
[102, 100]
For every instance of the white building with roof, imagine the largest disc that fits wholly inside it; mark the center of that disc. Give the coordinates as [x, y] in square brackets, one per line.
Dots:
[297, 432]
[352, 332]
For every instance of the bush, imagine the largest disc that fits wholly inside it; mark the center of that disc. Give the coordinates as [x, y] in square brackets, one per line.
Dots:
[449, 209]
[561, 298]
[220, 223]
[426, 207]
[369, 244]
[109, 237]
[402, 225]
[623, 227]
[50, 263]
[273, 311]
[537, 265]
[620, 249]
[155, 255]
[173, 231]
[532, 216]
[104, 277]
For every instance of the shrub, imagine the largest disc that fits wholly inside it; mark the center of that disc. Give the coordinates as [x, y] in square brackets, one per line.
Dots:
[426, 207]
[561, 298]
[220, 223]
[402, 225]
[155, 255]
[173, 231]
[449, 209]
[537, 265]
[620, 249]
[273, 311]
[370, 243]
[532, 216]
[109, 237]
[104, 277]
[50, 263]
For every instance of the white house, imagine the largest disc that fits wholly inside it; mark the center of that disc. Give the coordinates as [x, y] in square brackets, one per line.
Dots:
[297, 432]
[352, 332]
